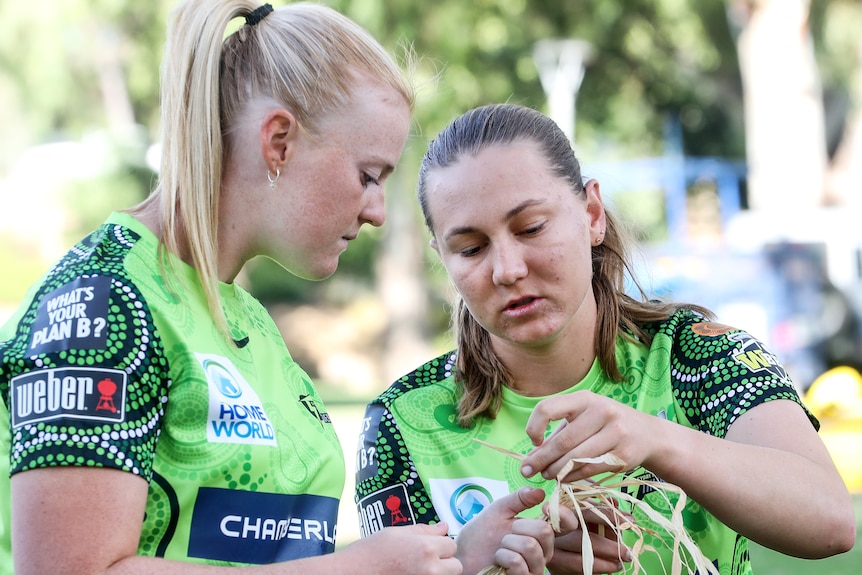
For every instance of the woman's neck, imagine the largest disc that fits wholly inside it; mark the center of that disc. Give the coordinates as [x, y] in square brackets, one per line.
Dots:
[149, 213]
[549, 369]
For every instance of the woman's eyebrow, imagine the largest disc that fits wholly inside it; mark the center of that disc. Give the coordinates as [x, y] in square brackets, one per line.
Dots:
[508, 216]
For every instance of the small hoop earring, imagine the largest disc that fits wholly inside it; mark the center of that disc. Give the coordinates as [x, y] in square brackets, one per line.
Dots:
[273, 180]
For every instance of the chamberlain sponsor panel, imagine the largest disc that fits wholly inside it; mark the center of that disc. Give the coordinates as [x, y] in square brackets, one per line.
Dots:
[253, 527]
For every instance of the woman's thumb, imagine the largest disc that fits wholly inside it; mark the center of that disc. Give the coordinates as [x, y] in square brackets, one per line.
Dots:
[521, 500]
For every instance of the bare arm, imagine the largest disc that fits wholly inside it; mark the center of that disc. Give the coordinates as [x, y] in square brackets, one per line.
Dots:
[771, 470]
[89, 521]
[771, 479]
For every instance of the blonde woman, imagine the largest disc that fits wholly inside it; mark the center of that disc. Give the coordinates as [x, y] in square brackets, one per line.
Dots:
[158, 423]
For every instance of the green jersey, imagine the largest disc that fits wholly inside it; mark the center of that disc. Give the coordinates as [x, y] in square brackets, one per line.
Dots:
[415, 464]
[108, 364]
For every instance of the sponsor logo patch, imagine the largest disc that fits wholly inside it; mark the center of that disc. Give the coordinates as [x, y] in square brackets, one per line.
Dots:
[366, 450]
[384, 508]
[750, 353]
[255, 527]
[310, 404]
[236, 414]
[710, 328]
[68, 393]
[459, 500]
[73, 316]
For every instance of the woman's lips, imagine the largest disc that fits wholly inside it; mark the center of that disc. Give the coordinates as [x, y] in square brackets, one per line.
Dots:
[521, 306]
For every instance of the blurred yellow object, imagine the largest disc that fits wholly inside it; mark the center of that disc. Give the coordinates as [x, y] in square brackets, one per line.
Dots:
[837, 393]
[835, 398]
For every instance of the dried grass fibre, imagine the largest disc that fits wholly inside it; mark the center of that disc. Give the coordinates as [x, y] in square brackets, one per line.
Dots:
[603, 497]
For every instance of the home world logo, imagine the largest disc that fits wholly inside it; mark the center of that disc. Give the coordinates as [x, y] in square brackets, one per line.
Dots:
[457, 501]
[236, 414]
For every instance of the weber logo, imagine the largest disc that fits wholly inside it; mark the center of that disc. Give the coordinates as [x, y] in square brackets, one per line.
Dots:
[68, 393]
[385, 508]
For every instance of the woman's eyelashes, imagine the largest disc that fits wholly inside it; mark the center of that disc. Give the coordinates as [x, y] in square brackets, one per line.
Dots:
[533, 229]
[474, 249]
[368, 180]
[470, 251]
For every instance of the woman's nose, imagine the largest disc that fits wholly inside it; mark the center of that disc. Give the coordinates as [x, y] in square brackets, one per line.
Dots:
[374, 212]
[509, 265]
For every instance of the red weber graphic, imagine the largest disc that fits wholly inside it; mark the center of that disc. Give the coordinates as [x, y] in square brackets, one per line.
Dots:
[384, 508]
[107, 389]
[393, 504]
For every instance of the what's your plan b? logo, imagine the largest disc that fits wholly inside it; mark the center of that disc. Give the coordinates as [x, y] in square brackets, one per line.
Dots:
[68, 393]
[236, 414]
[73, 316]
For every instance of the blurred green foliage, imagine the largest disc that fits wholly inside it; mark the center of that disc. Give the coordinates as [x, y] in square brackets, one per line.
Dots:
[86, 65]
[271, 283]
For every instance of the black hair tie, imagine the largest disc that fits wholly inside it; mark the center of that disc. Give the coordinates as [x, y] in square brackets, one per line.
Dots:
[258, 14]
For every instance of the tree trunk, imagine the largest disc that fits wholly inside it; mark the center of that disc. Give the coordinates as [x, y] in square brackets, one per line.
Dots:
[844, 183]
[400, 269]
[784, 121]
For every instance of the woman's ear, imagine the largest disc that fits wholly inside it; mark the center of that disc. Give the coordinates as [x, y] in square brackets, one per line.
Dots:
[595, 211]
[278, 134]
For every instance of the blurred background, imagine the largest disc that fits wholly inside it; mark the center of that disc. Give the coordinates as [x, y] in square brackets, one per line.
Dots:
[726, 133]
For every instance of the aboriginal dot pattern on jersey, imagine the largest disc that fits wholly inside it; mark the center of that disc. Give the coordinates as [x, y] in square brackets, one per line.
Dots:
[711, 386]
[714, 378]
[186, 444]
[392, 469]
[394, 462]
[256, 315]
[160, 517]
[132, 345]
[742, 557]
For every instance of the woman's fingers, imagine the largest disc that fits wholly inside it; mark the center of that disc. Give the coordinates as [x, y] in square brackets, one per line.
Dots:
[527, 549]
[607, 553]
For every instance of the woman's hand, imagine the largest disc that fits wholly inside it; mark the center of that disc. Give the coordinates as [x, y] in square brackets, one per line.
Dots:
[593, 426]
[406, 550]
[606, 551]
[772, 448]
[497, 536]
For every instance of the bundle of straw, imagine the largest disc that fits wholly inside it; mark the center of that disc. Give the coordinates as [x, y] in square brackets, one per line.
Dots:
[602, 497]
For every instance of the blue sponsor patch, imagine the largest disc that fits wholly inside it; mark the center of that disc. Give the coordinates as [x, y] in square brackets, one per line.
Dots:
[73, 316]
[366, 449]
[261, 528]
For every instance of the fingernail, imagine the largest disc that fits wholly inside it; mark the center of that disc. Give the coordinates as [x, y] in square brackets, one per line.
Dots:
[627, 556]
[527, 471]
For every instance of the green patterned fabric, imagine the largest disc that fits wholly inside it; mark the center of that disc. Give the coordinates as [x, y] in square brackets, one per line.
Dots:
[108, 365]
[415, 464]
